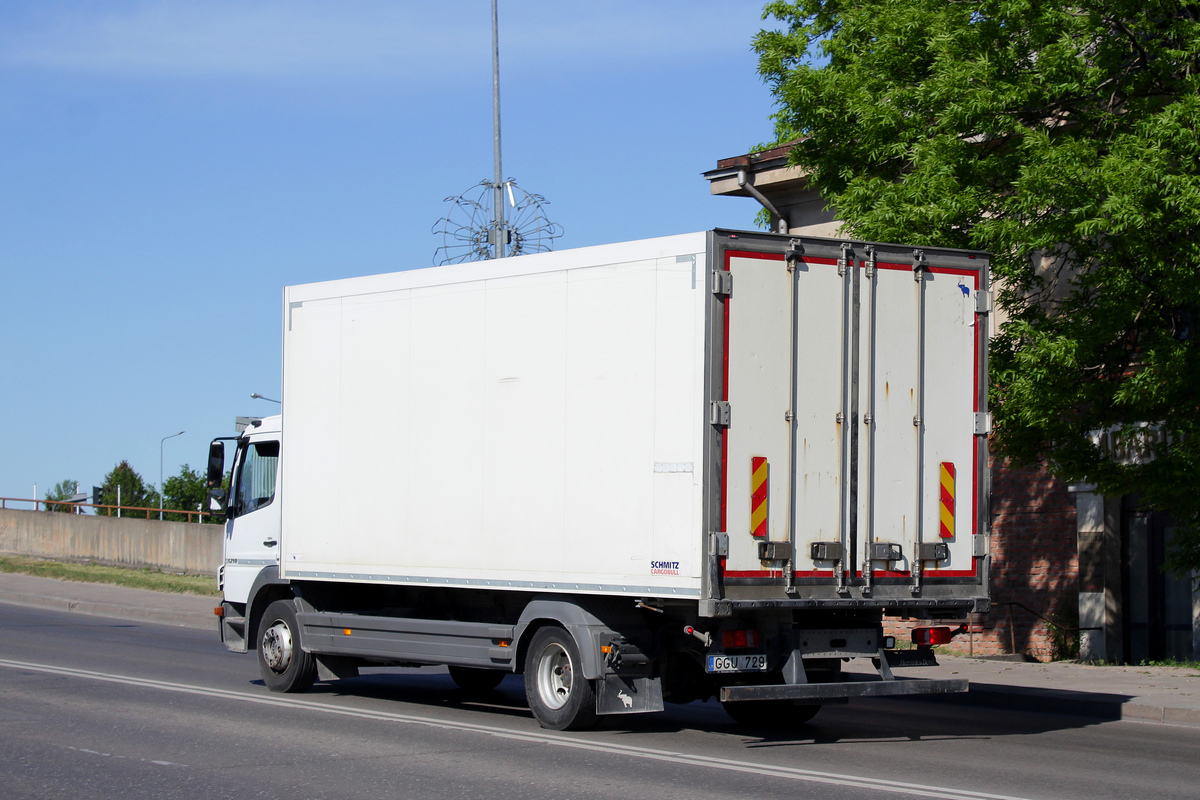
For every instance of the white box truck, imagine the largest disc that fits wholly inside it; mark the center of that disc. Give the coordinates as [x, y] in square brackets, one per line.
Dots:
[638, 473]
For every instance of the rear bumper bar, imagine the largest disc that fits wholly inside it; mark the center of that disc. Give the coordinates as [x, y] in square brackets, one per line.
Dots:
[833, 691]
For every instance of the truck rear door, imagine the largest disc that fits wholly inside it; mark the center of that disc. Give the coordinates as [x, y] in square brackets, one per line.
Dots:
[849, 415]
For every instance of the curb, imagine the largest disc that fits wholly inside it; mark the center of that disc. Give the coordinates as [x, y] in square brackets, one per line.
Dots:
[1095, 705]
[114, 610]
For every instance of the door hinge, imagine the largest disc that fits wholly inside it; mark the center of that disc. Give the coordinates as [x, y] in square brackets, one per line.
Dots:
[718, 543]
[794, 253]
[984, 302]
[983, 423]
[723, 283]
[719, 413]
[920, 264]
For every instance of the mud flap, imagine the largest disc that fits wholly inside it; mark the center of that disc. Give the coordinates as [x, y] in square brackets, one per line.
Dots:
[333, 668]
[919, 657]
[617, 695]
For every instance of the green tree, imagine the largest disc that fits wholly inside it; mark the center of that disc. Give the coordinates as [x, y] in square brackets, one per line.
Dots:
[134, 491]
[187, 491]
[1064, 138]
[63, 490]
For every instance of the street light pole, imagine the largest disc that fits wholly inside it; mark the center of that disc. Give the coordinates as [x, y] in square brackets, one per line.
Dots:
[160, 471]
[257, 396]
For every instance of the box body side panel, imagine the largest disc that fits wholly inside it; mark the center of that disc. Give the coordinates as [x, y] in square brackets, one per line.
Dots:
[531, 427]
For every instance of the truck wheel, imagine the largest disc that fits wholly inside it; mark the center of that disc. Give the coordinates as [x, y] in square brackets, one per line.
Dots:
[285, 667]
[770, 713]
[475, 679]
[559, 696]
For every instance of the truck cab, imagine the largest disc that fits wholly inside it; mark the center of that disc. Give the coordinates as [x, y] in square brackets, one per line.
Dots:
[252, 519]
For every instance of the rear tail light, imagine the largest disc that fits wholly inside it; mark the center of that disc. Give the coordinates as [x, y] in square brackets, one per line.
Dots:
[735, 640]
[923, 637]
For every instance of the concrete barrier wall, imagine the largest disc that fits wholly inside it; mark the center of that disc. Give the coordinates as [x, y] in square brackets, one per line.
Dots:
[174, 546]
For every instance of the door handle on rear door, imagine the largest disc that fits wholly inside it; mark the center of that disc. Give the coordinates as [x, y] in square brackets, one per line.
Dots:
[269, 542]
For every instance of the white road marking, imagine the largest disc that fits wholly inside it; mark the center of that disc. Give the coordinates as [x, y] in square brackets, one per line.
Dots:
[542, 737]
[126, 758]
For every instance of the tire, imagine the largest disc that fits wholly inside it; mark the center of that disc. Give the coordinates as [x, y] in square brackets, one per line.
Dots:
[559, 696]
[771, 714]
[284, 665]
[476, 679]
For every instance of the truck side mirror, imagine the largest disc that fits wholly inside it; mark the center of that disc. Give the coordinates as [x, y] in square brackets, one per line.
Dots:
[216, 501]
[216, 464]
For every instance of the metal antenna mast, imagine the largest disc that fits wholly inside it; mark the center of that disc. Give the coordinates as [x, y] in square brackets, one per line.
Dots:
[498, 174]
[477, 226]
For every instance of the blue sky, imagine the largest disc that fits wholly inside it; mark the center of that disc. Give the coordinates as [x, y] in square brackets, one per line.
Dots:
[167, 167]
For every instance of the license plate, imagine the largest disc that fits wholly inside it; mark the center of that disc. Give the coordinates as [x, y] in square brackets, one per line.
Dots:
[753, 663]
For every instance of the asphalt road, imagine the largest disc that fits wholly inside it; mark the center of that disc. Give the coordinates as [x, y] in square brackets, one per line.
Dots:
[97, 708]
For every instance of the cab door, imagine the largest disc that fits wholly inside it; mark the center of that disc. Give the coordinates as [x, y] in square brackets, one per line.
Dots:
[253, 523]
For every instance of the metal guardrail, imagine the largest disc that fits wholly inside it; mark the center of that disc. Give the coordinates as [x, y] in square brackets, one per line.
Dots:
[51, 505]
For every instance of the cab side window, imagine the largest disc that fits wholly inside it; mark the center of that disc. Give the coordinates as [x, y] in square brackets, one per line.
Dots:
[256, 477]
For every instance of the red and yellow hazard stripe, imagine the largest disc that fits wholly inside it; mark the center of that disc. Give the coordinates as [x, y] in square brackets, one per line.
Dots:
[947, 531]
[760, 470]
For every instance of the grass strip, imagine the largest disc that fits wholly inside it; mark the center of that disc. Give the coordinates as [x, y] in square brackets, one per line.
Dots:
[135, 578]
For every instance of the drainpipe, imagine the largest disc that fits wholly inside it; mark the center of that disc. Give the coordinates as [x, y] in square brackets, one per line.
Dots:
[762, 199]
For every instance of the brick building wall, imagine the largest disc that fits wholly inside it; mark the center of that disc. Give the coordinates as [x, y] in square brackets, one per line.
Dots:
[1035, 563]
